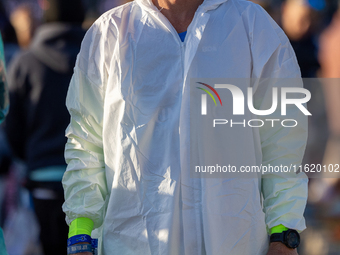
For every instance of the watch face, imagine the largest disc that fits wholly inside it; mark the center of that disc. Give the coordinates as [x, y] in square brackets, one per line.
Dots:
[293, 239]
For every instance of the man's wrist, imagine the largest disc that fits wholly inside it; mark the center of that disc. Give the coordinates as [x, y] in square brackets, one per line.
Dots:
[280, 248]
[280, 245]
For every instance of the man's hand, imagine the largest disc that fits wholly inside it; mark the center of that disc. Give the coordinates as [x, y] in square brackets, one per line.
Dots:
[84, 253]
[277, 248]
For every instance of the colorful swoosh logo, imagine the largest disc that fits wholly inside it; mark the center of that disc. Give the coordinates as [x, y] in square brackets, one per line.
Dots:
[209, 93]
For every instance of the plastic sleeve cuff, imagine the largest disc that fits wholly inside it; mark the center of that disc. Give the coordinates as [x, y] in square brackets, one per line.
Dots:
[80, 226]
[278, 229]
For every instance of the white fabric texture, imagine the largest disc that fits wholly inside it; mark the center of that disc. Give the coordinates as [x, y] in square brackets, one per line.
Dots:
[128, 151]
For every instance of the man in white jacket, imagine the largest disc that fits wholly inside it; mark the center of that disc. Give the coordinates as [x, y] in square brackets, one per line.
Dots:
[128, 139]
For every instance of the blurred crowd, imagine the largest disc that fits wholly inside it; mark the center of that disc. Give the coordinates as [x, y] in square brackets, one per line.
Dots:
[41, 41]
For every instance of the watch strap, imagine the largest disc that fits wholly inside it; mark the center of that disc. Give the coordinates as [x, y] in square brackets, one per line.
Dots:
[277, 237]
[290, 238]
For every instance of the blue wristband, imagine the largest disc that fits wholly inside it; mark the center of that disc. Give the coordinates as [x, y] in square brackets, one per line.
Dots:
[79, 239]
[94, 243]
[79, 248]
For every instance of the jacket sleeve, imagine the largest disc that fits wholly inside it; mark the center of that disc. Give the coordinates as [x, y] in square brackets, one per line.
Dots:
[84, 181]
[284, 194]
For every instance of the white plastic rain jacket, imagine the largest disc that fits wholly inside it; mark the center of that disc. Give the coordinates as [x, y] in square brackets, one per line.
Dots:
[128, 157]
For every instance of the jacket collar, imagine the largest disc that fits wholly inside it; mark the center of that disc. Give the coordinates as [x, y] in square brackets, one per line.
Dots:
[207, 5]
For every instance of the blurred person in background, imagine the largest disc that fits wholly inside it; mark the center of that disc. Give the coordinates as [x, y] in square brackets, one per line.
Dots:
[329, 55]
[8, 35]
[9, 42]
[299, 22]
[323, 209]
[35, 127]
[4, 106]
[106, 5]
[4, 100]
[327, 190]
[24, 23]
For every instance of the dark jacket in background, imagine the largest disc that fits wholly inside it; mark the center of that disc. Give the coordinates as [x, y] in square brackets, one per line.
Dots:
[38, 81]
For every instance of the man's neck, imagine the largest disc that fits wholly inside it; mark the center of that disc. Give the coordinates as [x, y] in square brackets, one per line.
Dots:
[179, 12]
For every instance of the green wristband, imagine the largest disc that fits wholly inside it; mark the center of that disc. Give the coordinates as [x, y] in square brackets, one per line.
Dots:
[278, 229]
[80, 226]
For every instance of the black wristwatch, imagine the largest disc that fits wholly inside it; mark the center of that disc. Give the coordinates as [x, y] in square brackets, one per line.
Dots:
[290, 238]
